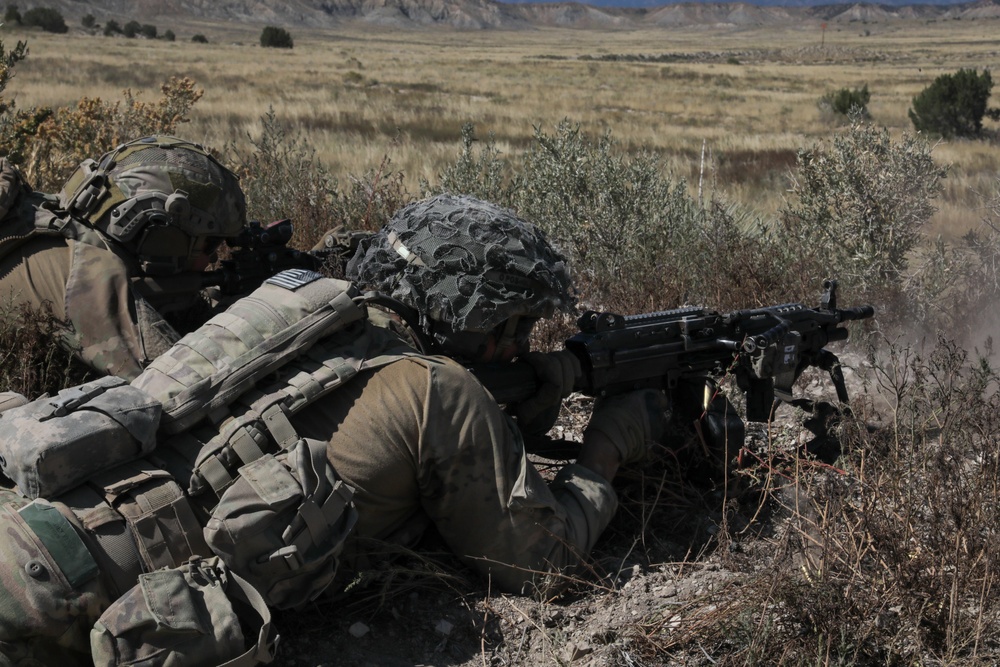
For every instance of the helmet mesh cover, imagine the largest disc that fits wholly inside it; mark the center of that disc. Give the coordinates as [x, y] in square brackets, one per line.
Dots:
[465, 262]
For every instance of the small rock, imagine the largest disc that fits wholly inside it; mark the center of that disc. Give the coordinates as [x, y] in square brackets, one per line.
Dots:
[574, 651]
[359, 630]
[444, 627]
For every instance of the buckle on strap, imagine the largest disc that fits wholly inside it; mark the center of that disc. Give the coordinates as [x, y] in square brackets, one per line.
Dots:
[70, 399]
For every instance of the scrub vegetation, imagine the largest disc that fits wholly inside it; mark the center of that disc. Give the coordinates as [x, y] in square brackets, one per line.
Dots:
[669, 175]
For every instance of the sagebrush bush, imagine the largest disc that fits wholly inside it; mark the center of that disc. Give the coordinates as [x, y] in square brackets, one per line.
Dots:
[857, 207]
[8, 61]
[283, 178]
[636, 238]
[953, 105]
[49, 144]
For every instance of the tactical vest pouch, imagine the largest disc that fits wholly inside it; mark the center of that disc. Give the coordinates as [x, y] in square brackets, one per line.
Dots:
[138, 520]
[198, 614]
[51, 591]
[10, 400]
[211, 367]
[283, 522]
[52, 444]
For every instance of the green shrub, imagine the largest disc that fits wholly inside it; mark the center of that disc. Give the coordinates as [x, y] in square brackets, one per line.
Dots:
[148, 31]
[12, 14]
[112, 27]
[88, 22]
[169, 35]
[856, 209]
[846, 100]
[199, 39]
[274, 37]
[953, 105]
[131, 29]
[46, 18]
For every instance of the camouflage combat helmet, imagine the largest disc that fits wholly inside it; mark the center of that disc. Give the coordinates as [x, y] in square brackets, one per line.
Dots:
[161, 197]
[464, 262]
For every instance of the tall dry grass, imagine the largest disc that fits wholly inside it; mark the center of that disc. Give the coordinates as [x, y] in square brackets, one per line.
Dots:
[360, 95]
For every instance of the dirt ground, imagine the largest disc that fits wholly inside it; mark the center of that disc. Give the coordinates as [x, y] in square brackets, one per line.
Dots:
[680, 537]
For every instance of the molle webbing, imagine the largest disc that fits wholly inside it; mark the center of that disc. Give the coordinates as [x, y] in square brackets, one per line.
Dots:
[293, 334]
[139, 520]
[209, 457]
[213, 366]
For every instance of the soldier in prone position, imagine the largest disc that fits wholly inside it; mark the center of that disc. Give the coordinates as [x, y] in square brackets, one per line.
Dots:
[293, 431]
[157, 207]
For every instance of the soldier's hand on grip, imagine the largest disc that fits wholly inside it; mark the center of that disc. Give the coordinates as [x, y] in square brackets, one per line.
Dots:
[633, 422]
[556, 373]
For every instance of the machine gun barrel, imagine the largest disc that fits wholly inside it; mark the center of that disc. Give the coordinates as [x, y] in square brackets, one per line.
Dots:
[766, 348]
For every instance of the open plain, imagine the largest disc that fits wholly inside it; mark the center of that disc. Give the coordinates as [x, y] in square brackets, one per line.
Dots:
[715, 102]
[884, 556]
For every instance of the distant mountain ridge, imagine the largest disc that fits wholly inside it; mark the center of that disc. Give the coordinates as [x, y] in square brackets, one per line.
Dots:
[647, 4]
[516, 14]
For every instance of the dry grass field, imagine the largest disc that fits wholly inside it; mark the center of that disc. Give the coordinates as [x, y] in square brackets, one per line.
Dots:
[877, 541]
[745, 99]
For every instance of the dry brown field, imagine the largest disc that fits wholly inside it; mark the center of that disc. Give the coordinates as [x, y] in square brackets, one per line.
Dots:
[745, 99]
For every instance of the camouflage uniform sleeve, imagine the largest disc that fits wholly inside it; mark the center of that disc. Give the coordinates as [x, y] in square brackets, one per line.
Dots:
[11, 186]
[421, 437]
[104, 318]
[499, 514]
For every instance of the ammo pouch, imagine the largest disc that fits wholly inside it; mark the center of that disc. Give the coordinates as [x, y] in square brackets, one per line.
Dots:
[197, 614]
[52, 444]
[138, 520]
[283, 522]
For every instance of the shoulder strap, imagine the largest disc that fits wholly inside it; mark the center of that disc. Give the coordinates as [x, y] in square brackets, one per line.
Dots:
[211, 367]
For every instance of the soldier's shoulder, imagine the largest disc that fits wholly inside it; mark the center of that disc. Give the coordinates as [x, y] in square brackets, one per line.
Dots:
[12, 184]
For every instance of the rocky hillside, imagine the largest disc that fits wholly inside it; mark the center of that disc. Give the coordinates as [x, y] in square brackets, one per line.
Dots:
[483, 14]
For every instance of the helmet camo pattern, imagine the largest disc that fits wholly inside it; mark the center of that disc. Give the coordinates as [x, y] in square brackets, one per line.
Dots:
[157, 181]
[464, 262]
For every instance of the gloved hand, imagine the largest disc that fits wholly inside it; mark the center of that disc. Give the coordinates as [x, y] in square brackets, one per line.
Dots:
[632, 422]
[556, 374]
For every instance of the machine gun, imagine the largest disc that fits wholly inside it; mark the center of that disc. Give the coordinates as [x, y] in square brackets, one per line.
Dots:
[686, 350]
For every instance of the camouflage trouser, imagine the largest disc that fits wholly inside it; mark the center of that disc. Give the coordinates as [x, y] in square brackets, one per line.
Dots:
[421, 439]
[50, 589]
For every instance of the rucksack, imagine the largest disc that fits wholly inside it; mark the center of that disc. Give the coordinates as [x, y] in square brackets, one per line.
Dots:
[26, 214]
[229, 475]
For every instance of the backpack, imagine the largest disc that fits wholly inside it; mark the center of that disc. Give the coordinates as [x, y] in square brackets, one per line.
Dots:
[229, 476]
[25, 214]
